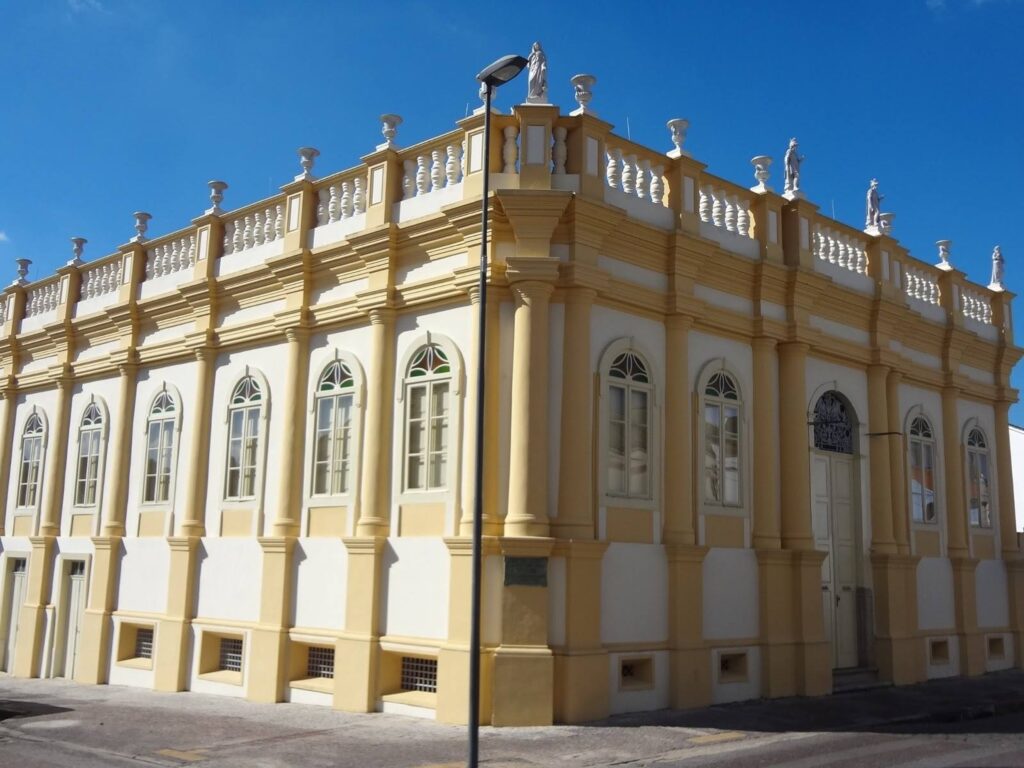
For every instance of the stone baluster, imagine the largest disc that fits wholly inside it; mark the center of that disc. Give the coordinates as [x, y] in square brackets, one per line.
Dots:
[334, 203]
[436, 170]
[730, 213]
[843, 259]
[409, 180]
[643, 179]
[559, 152]
[422, 174]
[451, 166]
[613, 173]
[862, 260]
[718, 207]
[279, 221]
[658, 184]
[705, 204]
[629, 174]
[258, 231]
[833, 247]
[359, 195]
[743, 218]
[248, 236]
[510, 150]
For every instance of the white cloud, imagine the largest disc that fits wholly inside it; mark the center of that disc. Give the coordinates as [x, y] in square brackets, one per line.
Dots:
[3, 237]
[82, 6]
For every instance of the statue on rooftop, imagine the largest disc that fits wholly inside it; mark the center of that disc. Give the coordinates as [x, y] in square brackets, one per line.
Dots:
[537, 86]
[792, 161]
[874, 201]
[997, 269]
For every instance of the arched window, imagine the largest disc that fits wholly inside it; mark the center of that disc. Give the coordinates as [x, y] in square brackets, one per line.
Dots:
[722, 440]
[332, 446]
[833, 427]
[922, 471]
[629, 427]
[243, 439]
[979, 503]
[161, 427]
[31, 461]
[90, 439]
[427, 406]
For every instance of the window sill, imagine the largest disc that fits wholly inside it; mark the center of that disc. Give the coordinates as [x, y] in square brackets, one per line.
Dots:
[137, 662]
[319, 684]
[227, 676]
[725, 511]
[412, 699]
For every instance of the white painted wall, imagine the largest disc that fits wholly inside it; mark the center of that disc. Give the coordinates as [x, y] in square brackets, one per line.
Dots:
[935, 594]
[1017, 460]
[993, 600]
[655, 697]
[230, 576]
[414, 588]
[142, 586]
[741, 690]
[321, 581]
[730, 594]
[634, 594]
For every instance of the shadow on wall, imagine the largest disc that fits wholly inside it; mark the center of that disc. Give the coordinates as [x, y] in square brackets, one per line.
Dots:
[952, 705]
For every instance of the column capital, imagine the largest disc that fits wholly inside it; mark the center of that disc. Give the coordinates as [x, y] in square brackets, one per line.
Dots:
[521, 270]
[527, 291]
[679, 321]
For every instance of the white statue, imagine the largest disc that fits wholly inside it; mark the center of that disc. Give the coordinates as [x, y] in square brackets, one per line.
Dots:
[792, 161]
[874, 201]
[997, 269]
[537, 86]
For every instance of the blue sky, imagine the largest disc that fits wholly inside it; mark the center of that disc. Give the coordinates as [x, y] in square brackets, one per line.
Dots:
[112, 106]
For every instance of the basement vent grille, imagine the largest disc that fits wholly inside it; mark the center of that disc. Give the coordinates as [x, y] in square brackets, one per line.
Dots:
[144, 644]
[320, 662]
[419, 674]
[231, 654]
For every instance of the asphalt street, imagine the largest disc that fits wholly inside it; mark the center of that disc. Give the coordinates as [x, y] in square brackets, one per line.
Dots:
[946, 723]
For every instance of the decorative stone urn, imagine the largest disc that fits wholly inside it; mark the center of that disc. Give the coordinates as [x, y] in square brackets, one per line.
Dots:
[582, 85]
[216, 195]
[141, 225]
[23, 265]
[761, 165]
[678, 126]
[944, 254]
[307, 156]
[885, 223]
[389, 127]
[77, 245]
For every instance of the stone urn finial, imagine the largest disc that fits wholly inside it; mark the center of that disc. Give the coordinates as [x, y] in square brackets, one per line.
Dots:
[944, 254]
[761, 165]
[77, 245]
[307, 156]
[885, 223]
[216, 195]
[141, 225]
[582, 85]
[389, 127]
[678, 127]
[23, 265]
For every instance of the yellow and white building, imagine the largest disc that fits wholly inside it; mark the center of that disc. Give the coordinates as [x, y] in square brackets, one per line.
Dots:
[732, 445]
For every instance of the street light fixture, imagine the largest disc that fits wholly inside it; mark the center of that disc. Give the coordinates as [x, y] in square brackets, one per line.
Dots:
[497, 74]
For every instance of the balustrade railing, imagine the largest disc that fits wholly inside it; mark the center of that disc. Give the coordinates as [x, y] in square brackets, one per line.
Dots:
[341, 198]
[435, 166]
[640, 174]
[726, 209]
[846, 251]
[921, 285]
[257, 226]
[975, 306]
[100, 278]
[170, 256]
[42, 298]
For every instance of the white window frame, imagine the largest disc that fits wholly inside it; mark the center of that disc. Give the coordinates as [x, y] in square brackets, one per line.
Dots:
[253, 463]
[970, 427]
[171, 391]
[26, 510]
[708, 372]
[217, 495]
[450, 495]
[336, 397]
[939, 526]
[628, 386]
[924, 442]
[429, 382]
[350, 499]
[103, 428]
[605, 498]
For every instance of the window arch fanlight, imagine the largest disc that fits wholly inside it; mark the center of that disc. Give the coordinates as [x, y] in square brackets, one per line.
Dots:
[979, 479]
[921, 444]
[334, 433]
[244, 411]
[30, 471]
[162, 426]
[833, 424]
[628, 469]
[91, 437]
[427, 418]
[722, 409]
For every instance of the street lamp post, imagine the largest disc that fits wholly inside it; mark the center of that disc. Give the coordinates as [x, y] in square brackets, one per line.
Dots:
[497, 74]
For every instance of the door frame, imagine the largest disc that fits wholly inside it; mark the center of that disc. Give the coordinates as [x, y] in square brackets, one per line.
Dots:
[7, 559]
[61, 594]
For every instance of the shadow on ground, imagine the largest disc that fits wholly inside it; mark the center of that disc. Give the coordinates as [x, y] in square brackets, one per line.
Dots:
[10, 708]
[955, 705]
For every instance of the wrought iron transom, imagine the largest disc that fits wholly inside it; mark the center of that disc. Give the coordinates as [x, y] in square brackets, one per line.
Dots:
[833, 429]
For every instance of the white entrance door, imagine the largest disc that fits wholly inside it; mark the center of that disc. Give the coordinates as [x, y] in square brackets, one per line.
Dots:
[15, 598]
[835, 531]
[73, 618]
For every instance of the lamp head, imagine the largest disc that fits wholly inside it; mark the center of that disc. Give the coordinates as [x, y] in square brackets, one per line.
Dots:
[504, 69]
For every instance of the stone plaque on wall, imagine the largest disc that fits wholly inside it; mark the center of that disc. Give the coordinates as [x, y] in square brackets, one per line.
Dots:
[526, 571]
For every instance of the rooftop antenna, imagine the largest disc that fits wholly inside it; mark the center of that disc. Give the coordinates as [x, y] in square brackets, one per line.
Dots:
[628, 135]
[833, 208]
[467, 110]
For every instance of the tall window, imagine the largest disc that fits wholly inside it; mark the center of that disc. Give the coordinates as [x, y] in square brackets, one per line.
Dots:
[922, 471]
[722, 440]
[243, 439]
[427, 396]
[629, 427]
[160, 429]
[978, 480]
[31, 461]
[332, 447]
[90, 436]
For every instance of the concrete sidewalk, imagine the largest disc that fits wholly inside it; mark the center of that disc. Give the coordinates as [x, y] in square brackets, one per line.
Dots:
[58, 723]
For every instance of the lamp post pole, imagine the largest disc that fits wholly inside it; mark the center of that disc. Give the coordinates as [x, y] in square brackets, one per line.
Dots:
[498, 73]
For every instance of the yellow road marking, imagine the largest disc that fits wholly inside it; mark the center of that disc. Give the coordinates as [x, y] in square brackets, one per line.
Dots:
[716, 738]
[190, 757]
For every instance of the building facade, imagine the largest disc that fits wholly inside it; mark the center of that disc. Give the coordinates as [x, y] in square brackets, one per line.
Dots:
[732, 445]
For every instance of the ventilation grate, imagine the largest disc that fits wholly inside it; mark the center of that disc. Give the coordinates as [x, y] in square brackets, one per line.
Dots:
[231, 654]
[320, 662]
[144, 643]
[419, 674]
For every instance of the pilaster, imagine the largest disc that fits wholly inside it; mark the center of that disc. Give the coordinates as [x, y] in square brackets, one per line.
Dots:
[8, 406]
[376, 473]
[793, 448]
[678, 475]
[689, 658]
[897, 476]
[93, 665]
[269, 639]
[174, 628]
[898, 649]
[767, 531]
[972, 642]
[357, 652]
[882, 540]
[287, 516]
[193, 521]
[56, 452]
[28, 650]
